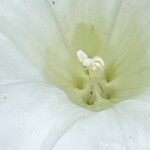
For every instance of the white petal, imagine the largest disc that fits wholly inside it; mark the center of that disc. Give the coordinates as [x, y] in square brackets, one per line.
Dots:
[70, 13]
[102, 14]
[31, 26]
[34, 116]
[126, 126]
[14, 67]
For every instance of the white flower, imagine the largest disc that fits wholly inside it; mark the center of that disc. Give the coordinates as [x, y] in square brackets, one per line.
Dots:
[113, 68]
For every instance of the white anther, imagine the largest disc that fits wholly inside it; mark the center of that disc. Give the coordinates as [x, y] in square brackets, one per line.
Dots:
[97, 63]
[94, 63]
[88, 62]
[99, 60]
[82, 56]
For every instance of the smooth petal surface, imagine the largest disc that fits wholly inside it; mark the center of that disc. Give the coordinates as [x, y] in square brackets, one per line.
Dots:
[14, 67]
[34, 116]
[30, 25]
[123, 127]
[70, 13]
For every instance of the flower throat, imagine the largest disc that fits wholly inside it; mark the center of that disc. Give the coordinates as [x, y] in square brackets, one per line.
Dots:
[94, 67]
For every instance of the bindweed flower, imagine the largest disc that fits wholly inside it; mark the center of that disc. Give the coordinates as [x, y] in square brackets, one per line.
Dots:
[97, 52]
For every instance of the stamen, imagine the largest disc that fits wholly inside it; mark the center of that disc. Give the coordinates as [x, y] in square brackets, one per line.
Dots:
[97, 63]
[95, 77]
[82, 56]
[88, 62]
[94, 63]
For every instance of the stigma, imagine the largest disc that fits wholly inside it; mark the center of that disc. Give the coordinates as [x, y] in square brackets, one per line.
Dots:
[94, 63]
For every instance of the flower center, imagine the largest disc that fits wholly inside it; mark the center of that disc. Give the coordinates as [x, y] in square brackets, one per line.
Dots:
[96, 78]
[93, 82]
